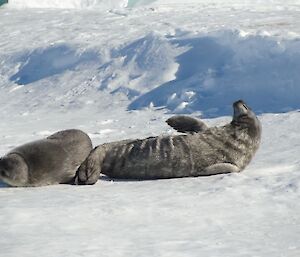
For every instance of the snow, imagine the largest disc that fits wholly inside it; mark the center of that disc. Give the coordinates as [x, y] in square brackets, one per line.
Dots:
[119, 73]
[77, 4]
[234, 67]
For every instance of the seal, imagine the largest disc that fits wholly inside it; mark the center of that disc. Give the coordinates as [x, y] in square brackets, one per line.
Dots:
[48, 161]
[215, 150]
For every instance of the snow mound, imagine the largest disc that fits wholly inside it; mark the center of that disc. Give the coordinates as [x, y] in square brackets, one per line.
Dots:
[42, 63]
[139, 66]
[218, 68]
[183, 73]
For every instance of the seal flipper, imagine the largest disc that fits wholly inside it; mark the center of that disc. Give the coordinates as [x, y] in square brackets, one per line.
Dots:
[186, 124]
[89, 171]
[220, 168]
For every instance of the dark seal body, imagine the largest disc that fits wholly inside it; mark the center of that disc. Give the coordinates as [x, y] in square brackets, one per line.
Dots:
[52, 160]
[213, 151]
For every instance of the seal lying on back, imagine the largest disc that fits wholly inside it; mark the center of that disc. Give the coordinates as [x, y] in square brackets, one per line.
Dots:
[210, 151]
[48, 161]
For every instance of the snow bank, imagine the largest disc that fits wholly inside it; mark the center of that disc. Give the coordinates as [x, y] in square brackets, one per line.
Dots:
[183, 73]
[218, 68]
[158, 62]
[139, 66]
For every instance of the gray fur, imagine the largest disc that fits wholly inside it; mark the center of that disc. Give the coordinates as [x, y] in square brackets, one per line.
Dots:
[48, 161]
[216, 150]
[186, 124]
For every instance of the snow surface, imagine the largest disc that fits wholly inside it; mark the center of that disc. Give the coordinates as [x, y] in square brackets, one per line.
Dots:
[78, 4]
[119, 73]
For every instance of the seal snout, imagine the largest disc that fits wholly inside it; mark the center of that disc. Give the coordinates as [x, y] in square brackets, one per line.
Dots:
[239, 103]
[240, 108]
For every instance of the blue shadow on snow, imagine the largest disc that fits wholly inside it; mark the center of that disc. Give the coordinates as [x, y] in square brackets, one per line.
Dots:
[43, 63]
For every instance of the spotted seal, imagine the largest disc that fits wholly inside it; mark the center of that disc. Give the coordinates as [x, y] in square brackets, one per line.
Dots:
[209, 151]
[52, 160]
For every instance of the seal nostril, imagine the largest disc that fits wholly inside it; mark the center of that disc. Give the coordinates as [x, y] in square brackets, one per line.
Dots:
[245, 106]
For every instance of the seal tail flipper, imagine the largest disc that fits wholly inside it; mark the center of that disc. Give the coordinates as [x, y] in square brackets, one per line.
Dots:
[220, 168]
[186, 124]
[89, 171]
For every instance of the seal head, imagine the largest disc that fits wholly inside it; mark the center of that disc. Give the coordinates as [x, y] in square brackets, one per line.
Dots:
[13, 170]
[245, 118]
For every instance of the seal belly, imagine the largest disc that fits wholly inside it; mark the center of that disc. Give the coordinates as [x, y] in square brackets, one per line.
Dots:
[151, 158]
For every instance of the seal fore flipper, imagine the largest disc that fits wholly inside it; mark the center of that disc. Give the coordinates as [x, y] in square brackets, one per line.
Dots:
[186, 124]
[220, 168]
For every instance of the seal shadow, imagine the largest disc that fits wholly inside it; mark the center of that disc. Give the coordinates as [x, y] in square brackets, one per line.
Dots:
[3, 185]
[108, 179]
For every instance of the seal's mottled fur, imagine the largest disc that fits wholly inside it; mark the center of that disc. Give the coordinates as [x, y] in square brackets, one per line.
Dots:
[48, 161]
[210, 151]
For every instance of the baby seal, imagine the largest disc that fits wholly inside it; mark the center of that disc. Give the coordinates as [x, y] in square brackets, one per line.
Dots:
[47, 161]
[211, 151]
